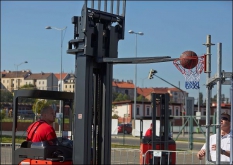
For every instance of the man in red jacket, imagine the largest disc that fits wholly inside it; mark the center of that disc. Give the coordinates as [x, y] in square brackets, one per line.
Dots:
[149, 131]
[42, 130]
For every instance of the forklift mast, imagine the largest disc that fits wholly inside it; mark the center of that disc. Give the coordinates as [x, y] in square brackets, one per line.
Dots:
[96, 36]
[95, 46]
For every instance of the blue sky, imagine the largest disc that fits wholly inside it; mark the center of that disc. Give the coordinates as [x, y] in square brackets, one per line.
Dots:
[169, 28]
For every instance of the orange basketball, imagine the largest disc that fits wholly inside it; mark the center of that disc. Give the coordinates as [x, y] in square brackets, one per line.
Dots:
[188, 59]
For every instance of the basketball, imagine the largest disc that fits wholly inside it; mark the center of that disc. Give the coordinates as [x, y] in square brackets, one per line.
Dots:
[188, 59]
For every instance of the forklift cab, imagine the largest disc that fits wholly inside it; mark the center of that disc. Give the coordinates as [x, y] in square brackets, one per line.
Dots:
[161, 134]
[60, 151]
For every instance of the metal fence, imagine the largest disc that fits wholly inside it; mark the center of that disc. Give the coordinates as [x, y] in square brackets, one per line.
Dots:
[119, 155]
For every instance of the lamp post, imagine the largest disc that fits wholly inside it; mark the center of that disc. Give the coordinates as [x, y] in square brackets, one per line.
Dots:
[60, 84]
[184, 96]
[17, 65]
[143, 97]
[135, 87]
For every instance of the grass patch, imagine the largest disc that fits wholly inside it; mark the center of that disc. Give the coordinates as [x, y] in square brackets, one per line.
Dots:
[115, 145]
[8, 139]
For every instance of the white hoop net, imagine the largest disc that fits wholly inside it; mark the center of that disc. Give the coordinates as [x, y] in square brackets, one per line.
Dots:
[192, 76]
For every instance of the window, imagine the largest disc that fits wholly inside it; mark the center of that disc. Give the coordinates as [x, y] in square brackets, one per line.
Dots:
[137, 111]
[70, 86]
[39, 82]
[126, 92]
[65, 86]
[148, 111]
[73, 86]
[170, 112]
[177, 112]
[26, 83]
[3, 81]
[42, 82]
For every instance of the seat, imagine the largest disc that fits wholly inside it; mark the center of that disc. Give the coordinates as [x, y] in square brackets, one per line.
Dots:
[26, 144]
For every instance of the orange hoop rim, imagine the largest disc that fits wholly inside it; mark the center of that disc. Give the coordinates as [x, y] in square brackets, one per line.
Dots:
[198, 68]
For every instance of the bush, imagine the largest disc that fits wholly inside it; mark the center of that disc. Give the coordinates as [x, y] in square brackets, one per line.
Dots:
[115, 116]
[2, 115]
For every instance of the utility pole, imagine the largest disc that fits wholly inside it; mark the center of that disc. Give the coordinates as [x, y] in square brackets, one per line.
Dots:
[208, 45]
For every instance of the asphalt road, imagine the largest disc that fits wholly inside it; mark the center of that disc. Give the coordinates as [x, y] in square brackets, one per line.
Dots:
[127, 140]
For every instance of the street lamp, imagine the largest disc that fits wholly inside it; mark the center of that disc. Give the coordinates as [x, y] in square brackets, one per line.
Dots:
[135, 87]
[143, 97]
[60, 84]
[17, 65]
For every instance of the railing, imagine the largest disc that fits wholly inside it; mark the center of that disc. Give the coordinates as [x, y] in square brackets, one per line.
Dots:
[169, 157]
[119, 155]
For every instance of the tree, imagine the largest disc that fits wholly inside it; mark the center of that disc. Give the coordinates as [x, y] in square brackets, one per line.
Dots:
[115, 116]
[39, 104]
[6, 96]
[114, 95]
[119, 97]
[126, 97]
[28, 86]
[2, 115]
[141, 98]
[214, 99]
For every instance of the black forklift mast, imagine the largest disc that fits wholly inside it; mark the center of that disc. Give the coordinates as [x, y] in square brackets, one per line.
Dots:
[162, 100]
[95, 46]
[66, 97]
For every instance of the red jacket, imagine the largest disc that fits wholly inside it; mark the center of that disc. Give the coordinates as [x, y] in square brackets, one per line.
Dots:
[148, 132]
[40, 131]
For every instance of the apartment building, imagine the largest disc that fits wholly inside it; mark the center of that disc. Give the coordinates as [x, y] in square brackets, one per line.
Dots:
[12, 80]
[125, 111]
[124, 87]
[69, 83]
[61, 78]
[176, 96]
[50, 81]
[42, 81]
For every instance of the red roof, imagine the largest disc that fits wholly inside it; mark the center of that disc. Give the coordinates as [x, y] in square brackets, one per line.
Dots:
[122, 84]
[147, 91]
[58, 75]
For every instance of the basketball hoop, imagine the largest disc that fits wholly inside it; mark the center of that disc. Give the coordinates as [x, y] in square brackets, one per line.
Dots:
[192, 76]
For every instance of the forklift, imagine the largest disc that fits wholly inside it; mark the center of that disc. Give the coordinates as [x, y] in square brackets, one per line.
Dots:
[161, 141]
[95, 50]
[42, 152]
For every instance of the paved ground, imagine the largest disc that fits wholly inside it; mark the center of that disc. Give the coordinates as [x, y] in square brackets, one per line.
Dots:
[123, 156]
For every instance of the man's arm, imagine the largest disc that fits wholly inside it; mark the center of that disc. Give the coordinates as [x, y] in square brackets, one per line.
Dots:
[226, 153]
[201, 154]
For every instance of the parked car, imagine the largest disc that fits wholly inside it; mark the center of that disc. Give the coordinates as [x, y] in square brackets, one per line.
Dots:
[125, 128]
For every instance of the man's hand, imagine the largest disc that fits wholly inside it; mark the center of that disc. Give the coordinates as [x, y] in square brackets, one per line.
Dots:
[213, 147]
[201, 154]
